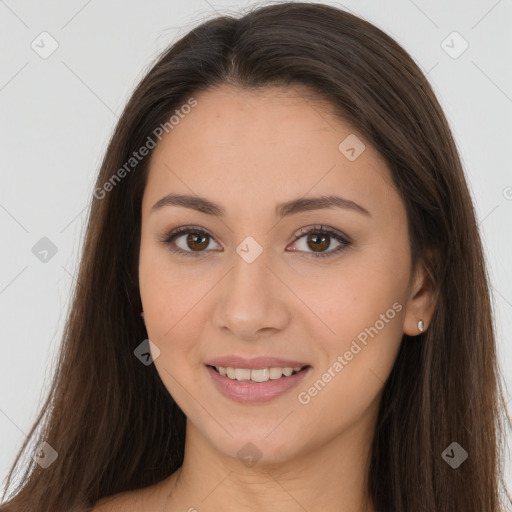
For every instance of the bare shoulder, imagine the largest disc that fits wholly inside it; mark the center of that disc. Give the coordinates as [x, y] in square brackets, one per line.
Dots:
[140, 500]
[122, 501]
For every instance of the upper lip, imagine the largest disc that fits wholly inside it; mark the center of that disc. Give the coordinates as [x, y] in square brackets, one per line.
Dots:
[254, 363]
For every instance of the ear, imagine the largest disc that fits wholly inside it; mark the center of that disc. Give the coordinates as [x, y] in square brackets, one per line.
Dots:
[421, 301]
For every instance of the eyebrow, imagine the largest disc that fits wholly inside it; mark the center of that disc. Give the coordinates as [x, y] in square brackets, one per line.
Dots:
[288, 208]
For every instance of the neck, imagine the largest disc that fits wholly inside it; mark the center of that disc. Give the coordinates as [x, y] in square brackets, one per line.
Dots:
[326, 475]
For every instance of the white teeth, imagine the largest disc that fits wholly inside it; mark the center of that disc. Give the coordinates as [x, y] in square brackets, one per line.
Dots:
[242, 374]
[259, 375]
[276, 373]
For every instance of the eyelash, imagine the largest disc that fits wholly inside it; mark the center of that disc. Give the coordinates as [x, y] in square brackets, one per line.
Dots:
[345, 242]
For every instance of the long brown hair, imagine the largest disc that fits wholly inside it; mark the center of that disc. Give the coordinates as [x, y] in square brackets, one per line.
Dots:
[111, 420]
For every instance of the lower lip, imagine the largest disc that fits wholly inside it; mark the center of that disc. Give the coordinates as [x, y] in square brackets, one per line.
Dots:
[254, 392]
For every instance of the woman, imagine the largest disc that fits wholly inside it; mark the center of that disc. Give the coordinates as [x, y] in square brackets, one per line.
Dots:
[282, 299]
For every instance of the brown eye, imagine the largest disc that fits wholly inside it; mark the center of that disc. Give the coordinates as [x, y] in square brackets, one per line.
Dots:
[318, 240]
[197, 241]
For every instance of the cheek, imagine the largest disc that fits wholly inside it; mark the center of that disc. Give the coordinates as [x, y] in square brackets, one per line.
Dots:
[348, 382]
[367, 319]
[171, 311]
[162, 286]
[174, 321]
[160, 289]
[174, 298]
[366, 307]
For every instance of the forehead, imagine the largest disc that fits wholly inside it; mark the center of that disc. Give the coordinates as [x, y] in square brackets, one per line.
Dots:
[265, 145]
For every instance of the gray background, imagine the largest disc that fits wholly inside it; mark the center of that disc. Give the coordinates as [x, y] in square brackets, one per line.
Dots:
[57, 114]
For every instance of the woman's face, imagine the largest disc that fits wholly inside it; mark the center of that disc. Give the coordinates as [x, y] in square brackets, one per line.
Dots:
[253, 284]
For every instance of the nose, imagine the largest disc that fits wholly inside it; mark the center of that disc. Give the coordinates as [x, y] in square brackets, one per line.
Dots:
[253, 301]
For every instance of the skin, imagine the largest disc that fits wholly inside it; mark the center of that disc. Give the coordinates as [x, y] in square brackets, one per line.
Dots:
[248, 151]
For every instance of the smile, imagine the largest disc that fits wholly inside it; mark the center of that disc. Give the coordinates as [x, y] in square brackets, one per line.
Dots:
[245, 385]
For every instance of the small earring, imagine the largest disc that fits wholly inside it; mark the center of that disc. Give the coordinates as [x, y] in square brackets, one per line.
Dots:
[420, 325]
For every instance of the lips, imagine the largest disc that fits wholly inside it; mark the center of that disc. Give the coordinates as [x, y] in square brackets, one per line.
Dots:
[254, 363]
[250, 392]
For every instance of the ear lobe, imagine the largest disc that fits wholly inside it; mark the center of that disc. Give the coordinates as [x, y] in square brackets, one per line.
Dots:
[421, 303]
